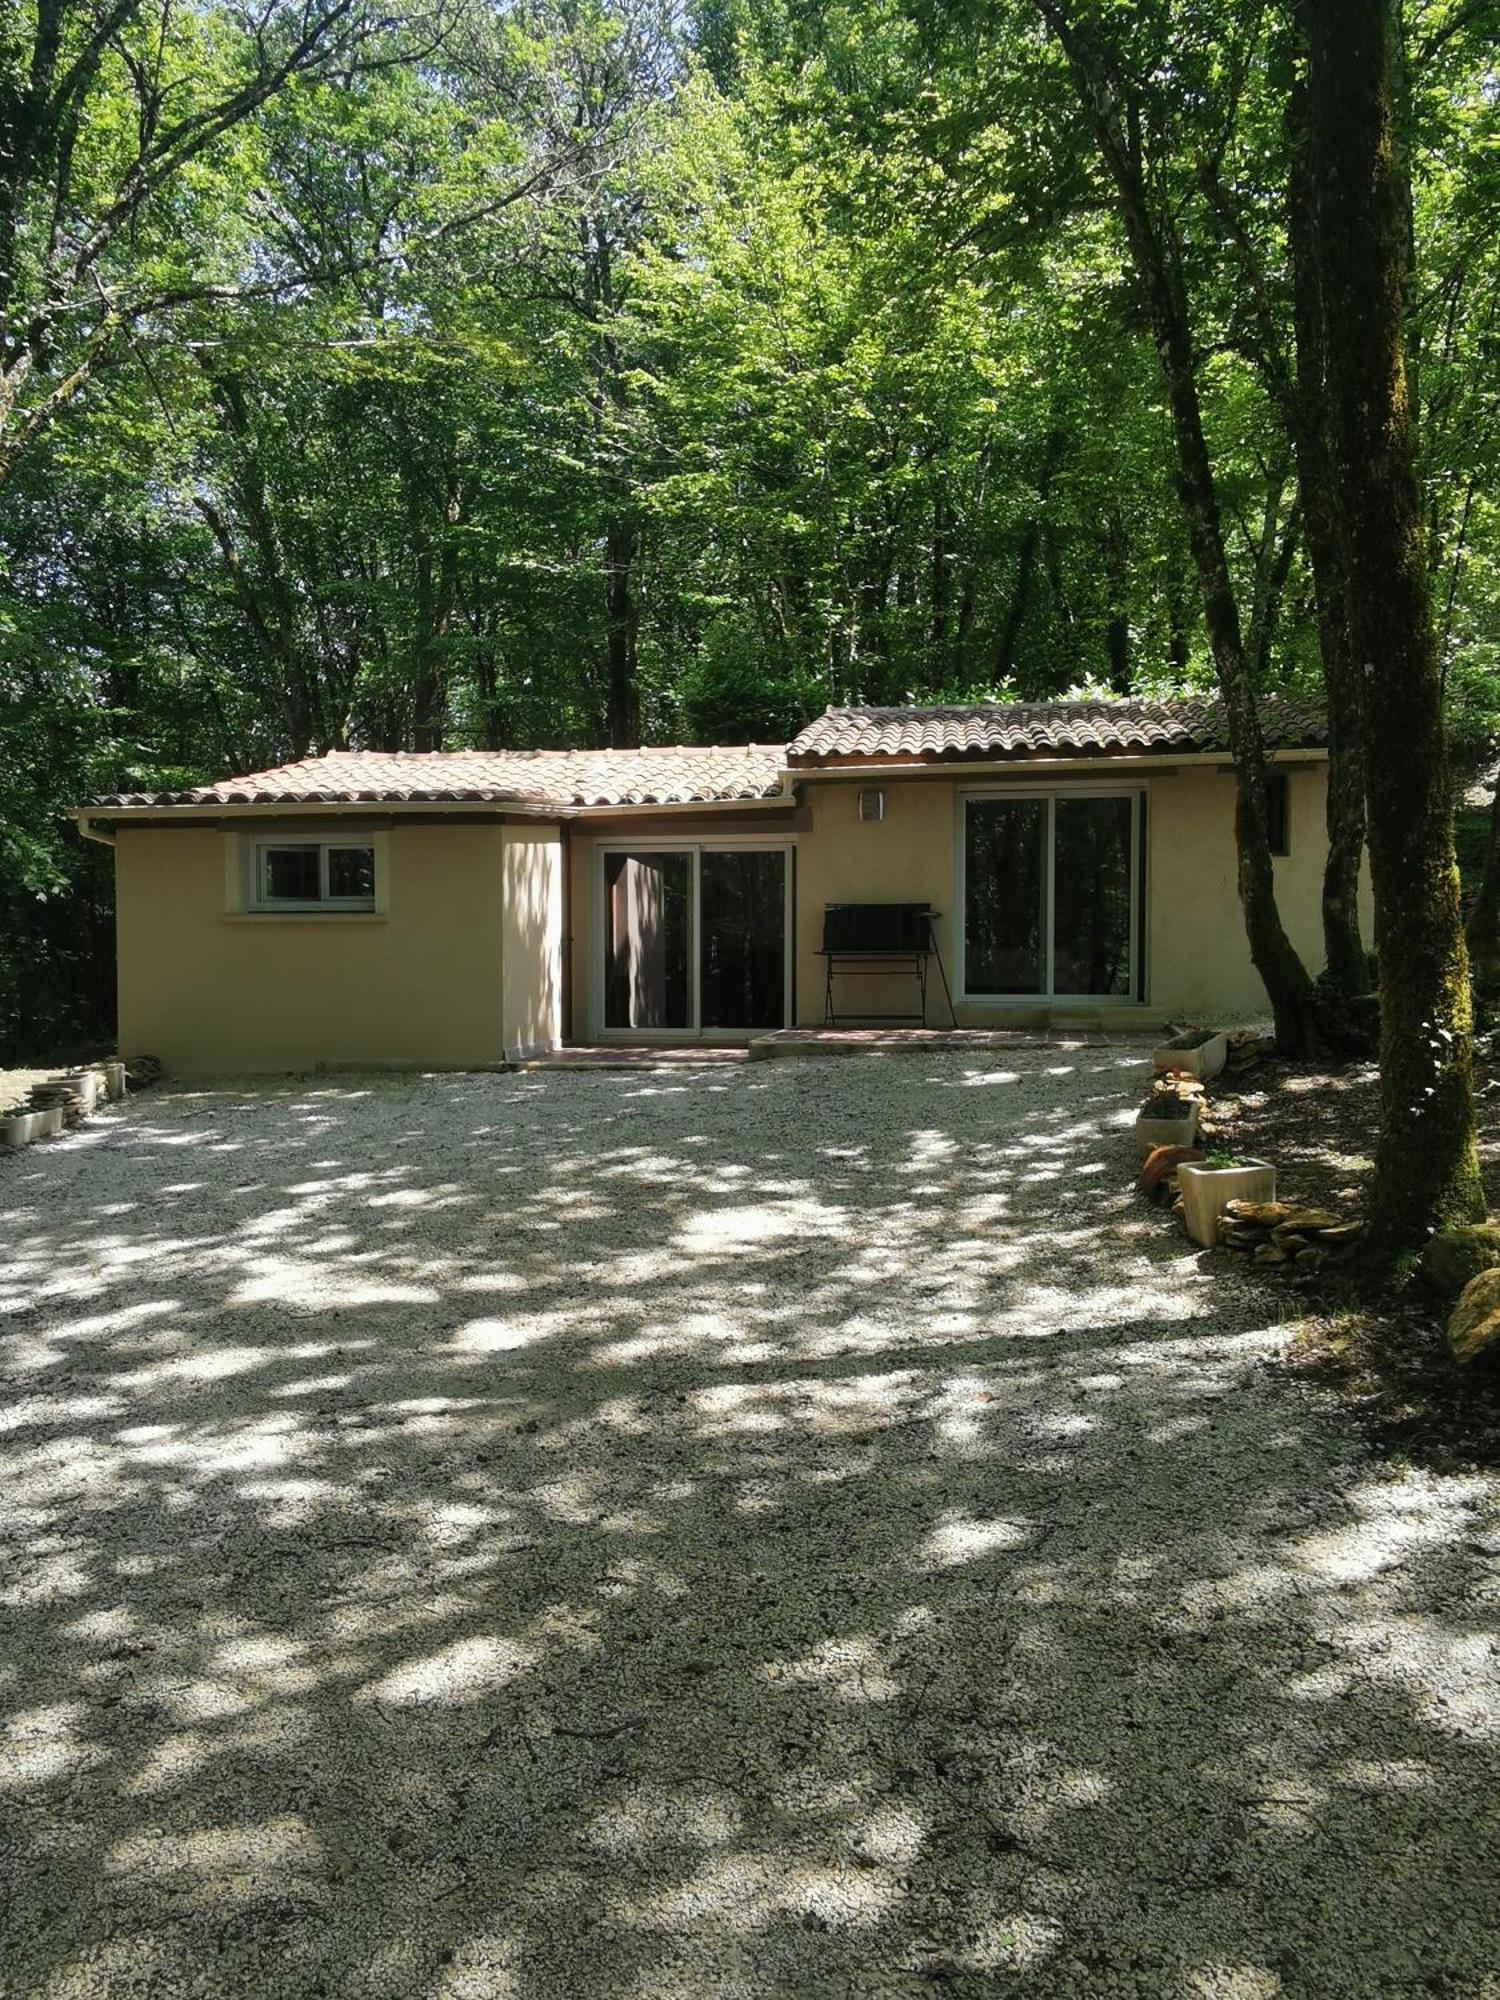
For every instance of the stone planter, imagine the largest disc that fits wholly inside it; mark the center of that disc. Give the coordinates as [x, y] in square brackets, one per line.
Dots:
[1204, 1061]
[23, 1128]
[1205, 1191]
[114, 1078]
[1180, 1130]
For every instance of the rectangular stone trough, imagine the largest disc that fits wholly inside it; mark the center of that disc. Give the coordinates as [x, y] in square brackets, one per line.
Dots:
[24, 1128]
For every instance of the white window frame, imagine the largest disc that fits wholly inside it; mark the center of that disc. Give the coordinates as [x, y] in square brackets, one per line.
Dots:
[1048, 994]
[696, 849]
[256, 904]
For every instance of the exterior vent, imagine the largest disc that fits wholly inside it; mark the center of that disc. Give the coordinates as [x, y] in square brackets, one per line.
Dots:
[872, 805]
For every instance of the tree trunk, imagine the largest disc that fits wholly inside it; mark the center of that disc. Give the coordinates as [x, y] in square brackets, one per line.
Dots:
[1020, 597]
[1343, 946]
[941, 586]
[1158, 270]
[1115, 551]
[623, 617]
[1271, 951]
[1179, 638]
[435, 575]
[1426, 1167]
[1483, 934]
[1031, 539]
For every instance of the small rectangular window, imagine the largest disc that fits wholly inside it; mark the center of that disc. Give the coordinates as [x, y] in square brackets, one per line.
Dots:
[290, 875]
[1278, 812]
[314, 875]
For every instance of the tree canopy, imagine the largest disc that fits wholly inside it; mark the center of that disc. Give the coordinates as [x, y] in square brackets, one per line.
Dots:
[548, 372]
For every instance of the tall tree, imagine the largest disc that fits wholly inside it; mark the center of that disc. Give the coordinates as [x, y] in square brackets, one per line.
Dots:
[1116, 111]
[1427, 1171]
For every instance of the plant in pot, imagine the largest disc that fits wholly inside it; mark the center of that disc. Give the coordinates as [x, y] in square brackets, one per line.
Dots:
[1208, 1186]
[1167, 1118]
[1201, 1051]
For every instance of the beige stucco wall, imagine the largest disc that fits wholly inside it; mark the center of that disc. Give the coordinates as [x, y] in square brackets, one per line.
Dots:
[1197, 959]
[211, 991]
[467, 963]
[532, 931]
[908, 857]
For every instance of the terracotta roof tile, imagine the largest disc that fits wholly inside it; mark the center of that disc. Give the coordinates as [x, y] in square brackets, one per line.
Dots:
[719, 774]
[1048, 729]
[659, 775]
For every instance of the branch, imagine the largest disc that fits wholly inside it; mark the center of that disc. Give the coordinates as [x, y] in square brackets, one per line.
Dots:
[1269, 347]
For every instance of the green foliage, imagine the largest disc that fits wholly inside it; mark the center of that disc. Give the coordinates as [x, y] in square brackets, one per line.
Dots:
[722, 366]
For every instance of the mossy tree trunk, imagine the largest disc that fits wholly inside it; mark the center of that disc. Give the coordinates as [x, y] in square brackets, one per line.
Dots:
[1343, 946]
[1427, 1171]
[1113, 113]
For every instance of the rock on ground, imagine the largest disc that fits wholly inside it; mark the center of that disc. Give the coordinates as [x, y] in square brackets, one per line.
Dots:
[791, 1529]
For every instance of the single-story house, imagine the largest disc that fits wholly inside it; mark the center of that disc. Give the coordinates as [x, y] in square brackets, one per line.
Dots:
[464, 908]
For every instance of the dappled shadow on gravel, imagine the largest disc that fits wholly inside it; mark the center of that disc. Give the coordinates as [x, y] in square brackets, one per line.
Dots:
[784, 1530]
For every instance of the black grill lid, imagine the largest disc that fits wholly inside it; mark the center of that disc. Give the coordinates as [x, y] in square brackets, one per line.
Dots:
[877, 927]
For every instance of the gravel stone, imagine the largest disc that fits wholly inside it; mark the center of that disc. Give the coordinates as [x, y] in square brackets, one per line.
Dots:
[781, 1529]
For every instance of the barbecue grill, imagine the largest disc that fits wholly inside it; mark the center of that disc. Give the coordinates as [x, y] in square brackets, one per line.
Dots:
[874, 939]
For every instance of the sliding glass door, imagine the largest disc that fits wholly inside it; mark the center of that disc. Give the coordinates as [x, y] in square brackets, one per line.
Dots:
[695, 938]
[648, 940]
[742, 960]
[1051, 894]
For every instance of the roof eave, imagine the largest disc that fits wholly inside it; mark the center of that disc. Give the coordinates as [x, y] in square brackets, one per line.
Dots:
[174, 811]
[894, 762]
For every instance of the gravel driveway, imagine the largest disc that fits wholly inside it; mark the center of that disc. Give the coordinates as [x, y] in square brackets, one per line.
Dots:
[799, 1528]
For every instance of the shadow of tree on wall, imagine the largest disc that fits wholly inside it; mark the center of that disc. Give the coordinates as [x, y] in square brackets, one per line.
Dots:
[785, 1529]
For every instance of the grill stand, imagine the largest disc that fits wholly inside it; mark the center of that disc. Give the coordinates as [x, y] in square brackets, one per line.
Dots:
[909, 964]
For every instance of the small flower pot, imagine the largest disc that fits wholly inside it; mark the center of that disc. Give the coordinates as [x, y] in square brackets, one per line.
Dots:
[1179, 1130]
[1204, 1061]
[1207, 1190]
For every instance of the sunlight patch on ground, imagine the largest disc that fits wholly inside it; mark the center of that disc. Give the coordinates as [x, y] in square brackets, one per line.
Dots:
[961, 1539]
[465, 1671]
[748, 1890]
[231, 1861]
[891, 1835]
[40, 1746]
[652, 1816]
[1392, 1522]
[1452, 1678]
[1234, 1982]
[737, 1231]
[501, 1336]
[850, 1668]
[204, 1364]
[292, 1281]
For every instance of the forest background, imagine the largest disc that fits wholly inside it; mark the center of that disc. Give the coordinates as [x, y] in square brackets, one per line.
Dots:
[567, 373]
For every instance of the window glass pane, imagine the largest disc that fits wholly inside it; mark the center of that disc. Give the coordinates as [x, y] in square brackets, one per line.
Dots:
[289, 875]
[351, 873]
[648, 919]
[742, 897]
[1092, 896]
[1277, 826]
[1005, 895]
